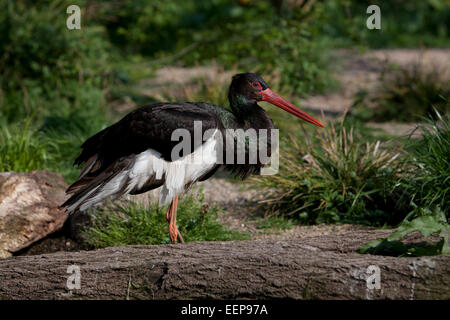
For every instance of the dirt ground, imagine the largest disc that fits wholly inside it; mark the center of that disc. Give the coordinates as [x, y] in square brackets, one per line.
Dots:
[354, 71]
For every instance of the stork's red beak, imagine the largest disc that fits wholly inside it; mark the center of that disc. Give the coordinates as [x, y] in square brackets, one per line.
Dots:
[273, 98]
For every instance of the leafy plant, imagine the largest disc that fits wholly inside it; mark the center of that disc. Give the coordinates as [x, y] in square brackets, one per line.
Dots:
[427, 222]
[132, 223]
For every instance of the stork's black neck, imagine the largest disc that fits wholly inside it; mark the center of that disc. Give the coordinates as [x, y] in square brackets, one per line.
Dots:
[240, 105]
[249, 113]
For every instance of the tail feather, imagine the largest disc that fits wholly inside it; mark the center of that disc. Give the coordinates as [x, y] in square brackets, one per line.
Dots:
[88, 189]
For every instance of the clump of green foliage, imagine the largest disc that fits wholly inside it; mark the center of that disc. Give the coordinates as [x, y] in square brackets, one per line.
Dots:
[427, 222]
[403, 23]
[45, 68]
[22, 150]
[132, 223]
[406, 94]
[428, 179]
[250, 35]
[333, 178]
[52, 83]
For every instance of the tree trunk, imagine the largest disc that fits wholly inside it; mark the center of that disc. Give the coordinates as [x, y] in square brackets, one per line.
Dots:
[325, 267]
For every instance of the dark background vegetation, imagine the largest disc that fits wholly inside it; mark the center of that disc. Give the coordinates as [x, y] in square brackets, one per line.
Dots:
[56, 84]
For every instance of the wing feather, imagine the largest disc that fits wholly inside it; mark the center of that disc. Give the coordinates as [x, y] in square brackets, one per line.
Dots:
[113, 149]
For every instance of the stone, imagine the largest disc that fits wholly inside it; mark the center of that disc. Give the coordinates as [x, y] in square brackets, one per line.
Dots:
[29, 208]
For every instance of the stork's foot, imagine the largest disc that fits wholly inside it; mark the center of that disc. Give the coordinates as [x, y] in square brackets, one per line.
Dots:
[175, 234]
[171, 217]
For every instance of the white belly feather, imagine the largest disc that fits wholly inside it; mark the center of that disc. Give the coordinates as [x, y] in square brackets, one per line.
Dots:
[176, 174]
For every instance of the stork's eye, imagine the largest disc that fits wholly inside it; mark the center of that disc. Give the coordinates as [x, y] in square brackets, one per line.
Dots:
[256, 85]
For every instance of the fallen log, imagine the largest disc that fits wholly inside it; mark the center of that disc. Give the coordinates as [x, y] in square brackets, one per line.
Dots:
[325, 267]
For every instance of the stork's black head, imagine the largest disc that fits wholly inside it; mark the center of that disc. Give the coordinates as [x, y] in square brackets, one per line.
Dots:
[247, 89]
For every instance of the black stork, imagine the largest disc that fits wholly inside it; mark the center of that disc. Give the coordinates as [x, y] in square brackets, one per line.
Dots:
[134, 155]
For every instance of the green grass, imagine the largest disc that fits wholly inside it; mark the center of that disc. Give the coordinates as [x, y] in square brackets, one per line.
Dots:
[428, 179]
[274, 222]
[135, 224]
[22, 149]
[25, 149]
[53, 146]
[335, 178]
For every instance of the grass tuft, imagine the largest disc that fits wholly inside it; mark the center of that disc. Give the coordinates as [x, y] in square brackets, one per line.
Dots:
[335, 177]
[428, 182]
[22, 150]
[131, 223]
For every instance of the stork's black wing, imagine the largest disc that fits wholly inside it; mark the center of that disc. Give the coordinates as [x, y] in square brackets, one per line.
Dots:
[147, 127]
[112, 150]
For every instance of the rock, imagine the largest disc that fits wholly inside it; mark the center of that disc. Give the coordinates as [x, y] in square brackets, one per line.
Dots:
[29, 208]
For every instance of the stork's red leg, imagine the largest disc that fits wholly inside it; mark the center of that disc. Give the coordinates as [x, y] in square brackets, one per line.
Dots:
[171, 217]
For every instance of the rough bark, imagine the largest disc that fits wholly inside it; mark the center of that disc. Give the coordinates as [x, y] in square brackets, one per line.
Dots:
[325, 267]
